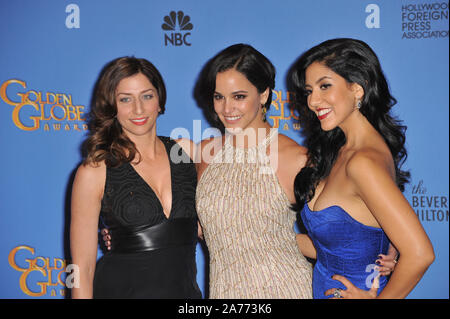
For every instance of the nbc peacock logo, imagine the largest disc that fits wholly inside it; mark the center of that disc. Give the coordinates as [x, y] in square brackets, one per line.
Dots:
[177, 36]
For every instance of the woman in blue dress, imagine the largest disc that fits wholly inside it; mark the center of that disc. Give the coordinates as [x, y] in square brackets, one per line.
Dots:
[350, 191]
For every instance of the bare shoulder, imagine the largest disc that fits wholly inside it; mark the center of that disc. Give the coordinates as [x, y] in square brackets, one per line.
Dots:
[91, 170]
[369, 163]
[291, 151]
[289, 144]
[91, 177]
[291, 159]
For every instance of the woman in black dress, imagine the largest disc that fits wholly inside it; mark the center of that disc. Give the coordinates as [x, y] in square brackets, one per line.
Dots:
[129, 180]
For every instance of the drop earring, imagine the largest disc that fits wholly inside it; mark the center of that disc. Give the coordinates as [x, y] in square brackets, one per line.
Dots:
[264, 111]
[358, 104]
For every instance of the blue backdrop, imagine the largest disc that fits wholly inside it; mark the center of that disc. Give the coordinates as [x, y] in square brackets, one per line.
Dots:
[52, 53]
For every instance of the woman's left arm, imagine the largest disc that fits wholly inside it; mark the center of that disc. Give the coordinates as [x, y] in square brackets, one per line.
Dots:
[381, 195]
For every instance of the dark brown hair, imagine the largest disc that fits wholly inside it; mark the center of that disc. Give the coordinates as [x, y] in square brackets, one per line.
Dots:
[243, 58]
[106, 140]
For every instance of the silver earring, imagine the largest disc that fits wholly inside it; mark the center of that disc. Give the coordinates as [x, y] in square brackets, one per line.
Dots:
[358, 104]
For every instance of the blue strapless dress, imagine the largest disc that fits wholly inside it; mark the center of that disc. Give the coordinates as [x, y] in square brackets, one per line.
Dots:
[344, 247]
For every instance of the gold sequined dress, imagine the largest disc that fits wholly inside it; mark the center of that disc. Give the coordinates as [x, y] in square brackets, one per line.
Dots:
[249, 228]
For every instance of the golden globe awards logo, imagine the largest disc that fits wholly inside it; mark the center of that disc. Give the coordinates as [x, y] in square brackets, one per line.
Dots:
[170, 24]
[34, 110]
[280, 113]
[42, 276]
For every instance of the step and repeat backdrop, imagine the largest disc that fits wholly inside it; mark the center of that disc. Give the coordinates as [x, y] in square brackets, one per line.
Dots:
[53, 50]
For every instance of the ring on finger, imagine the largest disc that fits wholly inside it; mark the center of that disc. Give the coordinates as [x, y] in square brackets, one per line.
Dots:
[337, 293]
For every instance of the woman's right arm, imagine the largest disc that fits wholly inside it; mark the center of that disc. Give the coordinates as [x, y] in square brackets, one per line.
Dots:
[87, 193]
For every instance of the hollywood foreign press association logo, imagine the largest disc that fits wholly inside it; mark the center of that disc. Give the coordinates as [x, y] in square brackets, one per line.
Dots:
[179, 35]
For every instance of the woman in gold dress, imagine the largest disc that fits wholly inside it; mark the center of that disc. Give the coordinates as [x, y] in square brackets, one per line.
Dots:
[245, 187]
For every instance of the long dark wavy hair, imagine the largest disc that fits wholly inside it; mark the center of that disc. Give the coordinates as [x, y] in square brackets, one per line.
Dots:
[356, 62]
[106, 140]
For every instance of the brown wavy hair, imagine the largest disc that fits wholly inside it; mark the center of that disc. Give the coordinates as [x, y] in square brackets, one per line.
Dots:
[106, 140]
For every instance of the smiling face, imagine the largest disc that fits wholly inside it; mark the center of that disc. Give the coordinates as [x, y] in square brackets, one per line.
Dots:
[330, 96]
[137, 105]
[237, 101]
